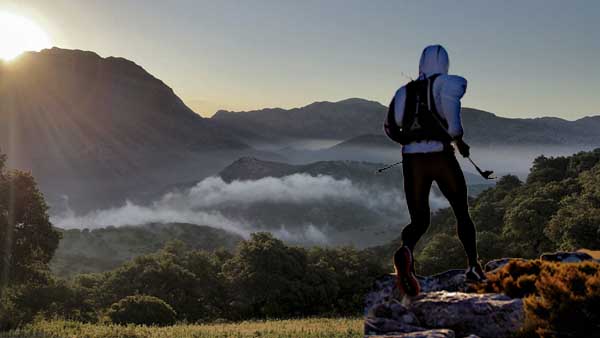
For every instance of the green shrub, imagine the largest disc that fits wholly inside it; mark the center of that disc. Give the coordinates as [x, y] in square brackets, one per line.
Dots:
[8, 320]
[47, 297]
[441, 253]
[516, 279]
[142, 310]
[560, 299]
[567, 302]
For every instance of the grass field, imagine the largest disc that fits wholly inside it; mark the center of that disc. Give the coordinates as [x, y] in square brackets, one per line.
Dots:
[299, 328]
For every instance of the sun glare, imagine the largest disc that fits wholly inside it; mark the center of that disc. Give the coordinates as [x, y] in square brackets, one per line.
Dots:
[19, 34]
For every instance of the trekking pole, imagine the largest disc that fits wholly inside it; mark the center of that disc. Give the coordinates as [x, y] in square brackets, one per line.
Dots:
[487, 174]
[388, 167]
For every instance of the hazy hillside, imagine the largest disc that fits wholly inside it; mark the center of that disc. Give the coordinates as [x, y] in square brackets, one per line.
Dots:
[353, 118]
[249, 168]
[320, 120]
[320, 203]
[82, 251]
[87, 125]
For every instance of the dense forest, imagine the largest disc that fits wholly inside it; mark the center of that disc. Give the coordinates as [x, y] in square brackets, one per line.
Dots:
[557, 207]
[103, 249]
[261, 278]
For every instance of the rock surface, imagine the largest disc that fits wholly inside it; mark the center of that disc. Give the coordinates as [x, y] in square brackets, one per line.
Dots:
[488, 315]
[384, 289]
[566, 257]
[424, 334]
[445, 308]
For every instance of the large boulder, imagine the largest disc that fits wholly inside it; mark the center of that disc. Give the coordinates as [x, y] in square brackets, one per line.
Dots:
[451, 280]
[424, 334]
[487, 315]
[391, 318]
[444, 308]
[384, 289]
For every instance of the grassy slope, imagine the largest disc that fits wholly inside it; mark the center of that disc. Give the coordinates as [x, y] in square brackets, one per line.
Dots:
[299, 328]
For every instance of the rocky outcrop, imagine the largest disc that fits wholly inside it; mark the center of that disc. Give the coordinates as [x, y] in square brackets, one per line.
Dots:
[487, 315]
[463, 314]
[425, 334]
[446, 308]
[384, 289]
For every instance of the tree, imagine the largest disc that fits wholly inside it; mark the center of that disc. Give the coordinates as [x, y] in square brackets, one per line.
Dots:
[142, 310]
[548, 169]
[441, 253]
[577, 224]
[490, 206]
[525, 223]
[27, 239]
[159, 275]
[345, 275]
[267, 277]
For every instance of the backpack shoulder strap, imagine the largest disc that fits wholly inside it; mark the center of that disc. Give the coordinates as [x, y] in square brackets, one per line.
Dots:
[430, 98]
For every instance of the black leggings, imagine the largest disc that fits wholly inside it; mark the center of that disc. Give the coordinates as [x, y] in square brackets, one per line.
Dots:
[420, 170]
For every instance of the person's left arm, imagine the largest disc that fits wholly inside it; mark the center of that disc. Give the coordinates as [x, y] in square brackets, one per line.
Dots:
[452, 89]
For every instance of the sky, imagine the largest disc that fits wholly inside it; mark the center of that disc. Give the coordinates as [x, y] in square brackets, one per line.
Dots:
[521, 58]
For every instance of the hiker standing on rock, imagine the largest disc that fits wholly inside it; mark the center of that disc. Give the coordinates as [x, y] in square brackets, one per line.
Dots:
[424, 117]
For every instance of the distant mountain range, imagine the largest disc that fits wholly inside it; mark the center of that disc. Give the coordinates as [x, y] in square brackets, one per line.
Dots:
[360, 123]
[326, 120]
[96, 131]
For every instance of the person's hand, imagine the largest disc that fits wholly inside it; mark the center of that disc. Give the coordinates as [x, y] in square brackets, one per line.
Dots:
[462, 147]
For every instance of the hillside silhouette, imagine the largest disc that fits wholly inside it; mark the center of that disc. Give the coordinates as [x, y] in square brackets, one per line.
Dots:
[85, 123]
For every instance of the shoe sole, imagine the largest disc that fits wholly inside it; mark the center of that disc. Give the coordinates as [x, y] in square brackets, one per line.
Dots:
[406, 281]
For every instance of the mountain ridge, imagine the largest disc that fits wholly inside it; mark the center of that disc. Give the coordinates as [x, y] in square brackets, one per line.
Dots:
[353, 117]
[96, 129]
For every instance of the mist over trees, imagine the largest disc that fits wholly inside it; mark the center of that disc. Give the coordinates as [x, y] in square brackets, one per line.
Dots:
[261, 278]
[557, 207]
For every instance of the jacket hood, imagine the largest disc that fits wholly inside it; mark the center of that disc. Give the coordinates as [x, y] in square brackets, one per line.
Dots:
[434, 60]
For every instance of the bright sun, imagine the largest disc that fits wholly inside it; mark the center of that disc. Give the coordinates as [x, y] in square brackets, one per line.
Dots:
[19, 34]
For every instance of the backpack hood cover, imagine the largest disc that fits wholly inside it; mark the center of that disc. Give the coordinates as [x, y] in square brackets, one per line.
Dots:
[434, 60]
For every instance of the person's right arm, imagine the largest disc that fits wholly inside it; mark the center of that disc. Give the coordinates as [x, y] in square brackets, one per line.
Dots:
[399, 100]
